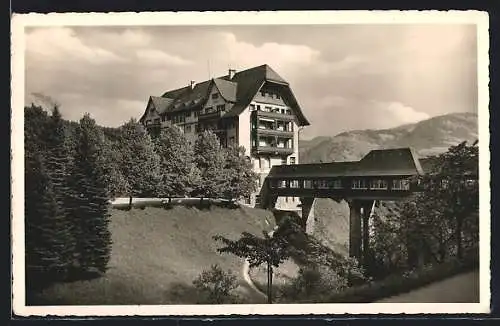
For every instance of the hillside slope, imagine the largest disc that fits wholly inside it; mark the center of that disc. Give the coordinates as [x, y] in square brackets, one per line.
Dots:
[428, 137]
[157, 253]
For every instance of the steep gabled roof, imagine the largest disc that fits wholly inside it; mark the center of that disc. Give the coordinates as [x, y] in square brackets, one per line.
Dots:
[227, 89]
[383, 162]
[240, 90]
[251, 80]
[161, 104]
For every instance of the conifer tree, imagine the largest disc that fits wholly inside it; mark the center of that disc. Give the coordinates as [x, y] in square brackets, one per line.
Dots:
[179, 173]
[140, 163]
[240, 177]
[46, 230]
[210, 160]
[90, 205]
[57, 164]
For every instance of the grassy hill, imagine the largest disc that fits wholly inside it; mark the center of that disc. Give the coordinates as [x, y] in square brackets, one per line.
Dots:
[157, 253]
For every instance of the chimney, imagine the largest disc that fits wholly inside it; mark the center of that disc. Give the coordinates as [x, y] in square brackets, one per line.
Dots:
[231, 73]
[191, 84]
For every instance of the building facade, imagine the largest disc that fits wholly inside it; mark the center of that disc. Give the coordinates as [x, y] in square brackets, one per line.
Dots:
[254, 108]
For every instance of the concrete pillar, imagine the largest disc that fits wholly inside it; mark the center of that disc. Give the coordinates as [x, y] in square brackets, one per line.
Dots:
[307, 214]
[355, 229]
[367, 207]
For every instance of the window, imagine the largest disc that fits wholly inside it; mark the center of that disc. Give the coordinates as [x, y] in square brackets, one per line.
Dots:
[263, 93]
[378, 184]
[307, 184]
[231, 140]
[208, 110]
[196, 113]
[400, 184]
[188, 114]
[258, 107]
[283, 161]
[358, 184]
[322, 184]
[215, 96]
[163, 119]
[252, 107]
[187, 128]
[294, 184]
[221, 107]
[268, 109]
[157, 120]
[282, 184]
[278, 96]
[335, 184]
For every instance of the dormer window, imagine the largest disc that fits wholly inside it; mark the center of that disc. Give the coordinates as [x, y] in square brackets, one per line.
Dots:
[215, 96]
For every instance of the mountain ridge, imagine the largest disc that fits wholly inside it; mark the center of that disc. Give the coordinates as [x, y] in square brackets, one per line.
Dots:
[428, 137]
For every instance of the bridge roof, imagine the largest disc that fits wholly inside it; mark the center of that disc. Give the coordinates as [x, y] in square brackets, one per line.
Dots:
[383, 162]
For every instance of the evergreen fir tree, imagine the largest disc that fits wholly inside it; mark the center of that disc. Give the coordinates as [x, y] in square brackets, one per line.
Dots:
[57, 164]
[210, 160]
[179, 174]
[45, 225]
[91, 204]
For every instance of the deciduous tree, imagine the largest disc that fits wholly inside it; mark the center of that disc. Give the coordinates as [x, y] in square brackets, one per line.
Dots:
[140, 164]
[179, 174]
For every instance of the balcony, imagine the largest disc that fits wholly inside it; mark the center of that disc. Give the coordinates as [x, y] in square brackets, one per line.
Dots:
[274, 115]
[274, 132]
[210, 115]
[272, 150]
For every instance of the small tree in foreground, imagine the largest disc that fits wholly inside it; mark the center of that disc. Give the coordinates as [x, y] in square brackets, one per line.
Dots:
[216, 286]
[271, 249]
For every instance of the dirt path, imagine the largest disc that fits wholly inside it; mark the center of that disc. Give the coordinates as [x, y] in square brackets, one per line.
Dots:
[460, 288]
[253, 291]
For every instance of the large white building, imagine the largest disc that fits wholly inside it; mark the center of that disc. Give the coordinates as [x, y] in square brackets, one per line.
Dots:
[254, 108]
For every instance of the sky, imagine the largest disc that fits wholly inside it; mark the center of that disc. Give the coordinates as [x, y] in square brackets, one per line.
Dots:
[345, 77]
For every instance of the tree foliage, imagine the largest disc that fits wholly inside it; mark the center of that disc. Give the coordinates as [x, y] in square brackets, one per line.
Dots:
[179, 174]
[240, 177]
[140, 164]
[216, 286]
[90, 203]
[210, 160]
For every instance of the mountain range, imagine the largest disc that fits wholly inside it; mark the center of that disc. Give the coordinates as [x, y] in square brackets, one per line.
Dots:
[427, 137]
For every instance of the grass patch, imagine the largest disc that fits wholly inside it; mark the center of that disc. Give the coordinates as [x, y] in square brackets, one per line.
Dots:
[156, 255]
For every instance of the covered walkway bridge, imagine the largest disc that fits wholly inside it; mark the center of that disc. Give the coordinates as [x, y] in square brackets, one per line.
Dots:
[385, 174]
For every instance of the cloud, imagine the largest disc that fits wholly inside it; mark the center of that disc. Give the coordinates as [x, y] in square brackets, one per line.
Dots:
[62, 44]
[160, 58]
[283, 57]
[399, 113]
[334, 114]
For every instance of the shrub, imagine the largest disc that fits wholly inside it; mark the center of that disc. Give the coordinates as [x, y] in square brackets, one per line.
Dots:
[216, 286]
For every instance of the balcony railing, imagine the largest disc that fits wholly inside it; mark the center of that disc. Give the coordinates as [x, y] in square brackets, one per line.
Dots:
[210, 115]
[275, 132]
[274, 115]
[272, 150]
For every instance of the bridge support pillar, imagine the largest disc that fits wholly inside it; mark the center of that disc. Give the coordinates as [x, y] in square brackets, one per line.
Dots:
[355, 229]
[359, 232]
[367, 208]
[307, 214]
